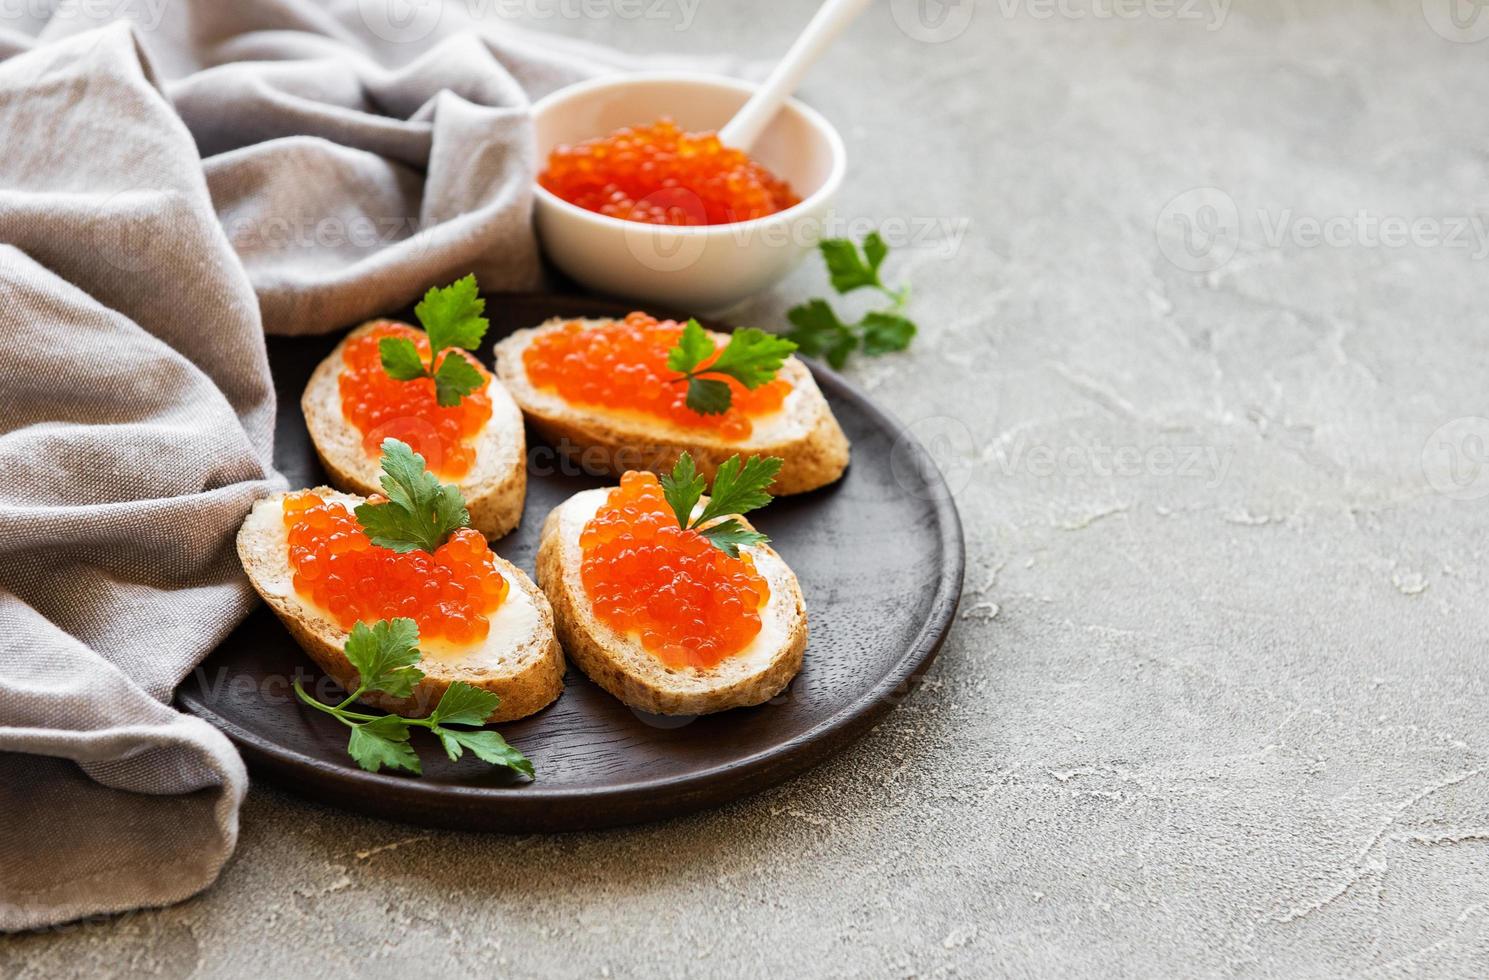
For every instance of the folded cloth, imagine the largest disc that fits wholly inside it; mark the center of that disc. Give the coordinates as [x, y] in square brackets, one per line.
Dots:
[170, 189]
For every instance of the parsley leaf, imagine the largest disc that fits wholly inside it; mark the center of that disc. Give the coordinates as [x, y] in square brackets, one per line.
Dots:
[752, 357]
[875, 250]
[682, 488]
[818, 330]
[384, 655]
[707, 396]
[486, 745]
[383, 742]
[694, 346]
[452, 318]
[729, 535]
[886, 331]
[455, 379]
[736, 489]
[464, 704]
[850, 269]
[420, 512]
[400, 358]
[739, 489]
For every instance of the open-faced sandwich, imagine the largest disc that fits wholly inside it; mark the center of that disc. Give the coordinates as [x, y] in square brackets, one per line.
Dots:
[422, 387]
[637, 393]
[669, 599]
[327, 561]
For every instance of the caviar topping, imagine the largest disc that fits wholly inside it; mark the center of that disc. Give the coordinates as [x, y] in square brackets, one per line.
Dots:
[624, 365]
[660, 175]
[450, 594]
[422, 387]
[381, 406]
[686, 601]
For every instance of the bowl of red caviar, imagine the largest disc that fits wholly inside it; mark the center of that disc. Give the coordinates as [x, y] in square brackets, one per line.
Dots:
[636, 196]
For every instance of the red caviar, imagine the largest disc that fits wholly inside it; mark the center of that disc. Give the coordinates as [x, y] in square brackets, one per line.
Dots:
[689, 604]
[624, 365]
[449, 593]
[661, 175]
[382, 407]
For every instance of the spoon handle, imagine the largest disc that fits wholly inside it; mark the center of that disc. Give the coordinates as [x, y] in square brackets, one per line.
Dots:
[834, 15]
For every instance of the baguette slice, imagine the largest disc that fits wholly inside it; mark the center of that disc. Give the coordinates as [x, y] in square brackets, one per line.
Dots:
[619, 663]
[804, 433]
[496, 485]
[520, 660]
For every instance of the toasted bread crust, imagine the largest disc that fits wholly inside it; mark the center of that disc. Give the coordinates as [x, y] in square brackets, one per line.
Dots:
[814, 454]
[494, 490]
[656, 690]
[535, 683]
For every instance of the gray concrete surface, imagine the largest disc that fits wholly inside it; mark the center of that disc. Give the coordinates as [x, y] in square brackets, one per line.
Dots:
[1215, 704]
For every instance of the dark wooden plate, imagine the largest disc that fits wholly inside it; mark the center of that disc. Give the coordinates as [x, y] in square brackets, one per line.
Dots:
[879, 556]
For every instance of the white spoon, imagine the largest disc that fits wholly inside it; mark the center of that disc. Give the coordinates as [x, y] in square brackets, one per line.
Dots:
[834, 15]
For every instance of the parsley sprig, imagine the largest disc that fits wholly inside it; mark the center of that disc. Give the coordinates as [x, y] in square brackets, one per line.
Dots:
[819, 330]
[384, 656]
[420, 512]
[737, 489]
[451, 317]
[752, 357]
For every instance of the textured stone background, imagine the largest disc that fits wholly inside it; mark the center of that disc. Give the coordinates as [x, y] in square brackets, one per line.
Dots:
[1217, 710]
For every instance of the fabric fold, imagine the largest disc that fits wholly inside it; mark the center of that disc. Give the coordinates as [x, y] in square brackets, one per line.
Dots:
[136, 415]
[174, 184]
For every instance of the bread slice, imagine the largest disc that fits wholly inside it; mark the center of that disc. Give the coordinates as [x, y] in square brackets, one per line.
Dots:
[619, 663]
[496, 485]
[520, 660]
[804, 433]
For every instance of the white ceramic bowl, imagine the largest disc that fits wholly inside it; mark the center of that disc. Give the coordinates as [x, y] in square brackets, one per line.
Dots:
[692, 269]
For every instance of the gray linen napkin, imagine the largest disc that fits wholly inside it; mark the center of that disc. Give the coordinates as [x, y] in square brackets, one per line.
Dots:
[169, 190]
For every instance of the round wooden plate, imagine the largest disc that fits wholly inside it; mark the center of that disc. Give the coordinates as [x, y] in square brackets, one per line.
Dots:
[879, 555]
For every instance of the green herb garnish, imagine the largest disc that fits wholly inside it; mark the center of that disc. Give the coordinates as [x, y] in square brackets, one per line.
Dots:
[737, 489]
[819, 330]
[752, 357]
[384, 656]
[451, 317]
[419, 512]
